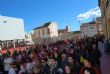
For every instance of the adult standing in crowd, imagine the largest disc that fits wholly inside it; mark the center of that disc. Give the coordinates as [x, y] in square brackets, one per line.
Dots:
[75, 56]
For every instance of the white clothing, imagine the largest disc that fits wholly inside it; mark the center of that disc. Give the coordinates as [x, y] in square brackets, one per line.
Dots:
[29, 67]
[33, 63]
[21, 67]
[21, 71]
[7, 63]
[11, 71]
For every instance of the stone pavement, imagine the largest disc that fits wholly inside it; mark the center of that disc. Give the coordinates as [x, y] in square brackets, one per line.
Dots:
[105, 60]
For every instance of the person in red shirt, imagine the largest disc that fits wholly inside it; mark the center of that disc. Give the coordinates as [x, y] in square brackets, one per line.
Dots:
[89, 68]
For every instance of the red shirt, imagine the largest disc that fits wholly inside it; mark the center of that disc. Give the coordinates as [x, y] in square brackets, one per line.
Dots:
[96, 70]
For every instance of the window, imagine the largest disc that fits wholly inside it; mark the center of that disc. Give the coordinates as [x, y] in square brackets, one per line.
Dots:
[92, 27]
[38, 33]
[42, 32]
[4, 21]
[48, 31]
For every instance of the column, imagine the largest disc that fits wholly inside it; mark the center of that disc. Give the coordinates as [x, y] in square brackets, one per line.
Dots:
[11, 43]
[0, 44]
[7, 44]
[14, 44]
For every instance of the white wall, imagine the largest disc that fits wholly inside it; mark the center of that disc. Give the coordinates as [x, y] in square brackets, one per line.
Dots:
[53, 29]
[28, 37]
[11, 28]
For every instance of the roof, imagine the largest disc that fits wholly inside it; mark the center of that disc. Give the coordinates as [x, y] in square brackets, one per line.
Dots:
[88, 24]
[61, 30]
[7, 17]
[74, 32]
[92, 22]
[45, 25]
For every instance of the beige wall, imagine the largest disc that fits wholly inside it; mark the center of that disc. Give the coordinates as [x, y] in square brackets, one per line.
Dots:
[69, 35]
[43, 32]
[89, 29]
[99, 25]
[108, 20]
[46, 33]
[105, 13]
[34, 38]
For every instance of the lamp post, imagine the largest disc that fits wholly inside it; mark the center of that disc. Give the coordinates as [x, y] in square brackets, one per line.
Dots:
[14, 43]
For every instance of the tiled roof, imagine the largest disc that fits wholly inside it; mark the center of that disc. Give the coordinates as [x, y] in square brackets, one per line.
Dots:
[45, 25]
[88, 24]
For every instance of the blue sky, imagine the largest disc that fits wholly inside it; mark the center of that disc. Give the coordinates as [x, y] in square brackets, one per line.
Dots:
[37, 12]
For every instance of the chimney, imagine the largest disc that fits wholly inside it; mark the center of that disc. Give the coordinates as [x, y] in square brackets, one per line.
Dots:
[67, 29]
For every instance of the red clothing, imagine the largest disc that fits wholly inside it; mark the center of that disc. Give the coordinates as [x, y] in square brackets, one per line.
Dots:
[24, 65]
[96, 70]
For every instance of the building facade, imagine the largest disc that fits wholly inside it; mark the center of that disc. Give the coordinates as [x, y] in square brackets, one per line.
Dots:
[105, 14]
[69, 35]
[11, 31]
[88, 29]
[92, 28]
[45, 32]
[63, 31]
[99, 25]
[28, 37]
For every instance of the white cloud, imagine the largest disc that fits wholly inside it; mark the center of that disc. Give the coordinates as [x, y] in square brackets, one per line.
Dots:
[92, 12]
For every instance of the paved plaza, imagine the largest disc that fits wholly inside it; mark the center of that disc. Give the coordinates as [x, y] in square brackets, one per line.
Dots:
[105, 60]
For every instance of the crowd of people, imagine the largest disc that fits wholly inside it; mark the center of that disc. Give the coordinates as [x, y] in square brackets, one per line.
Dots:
[107, 45]
[76, 56]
